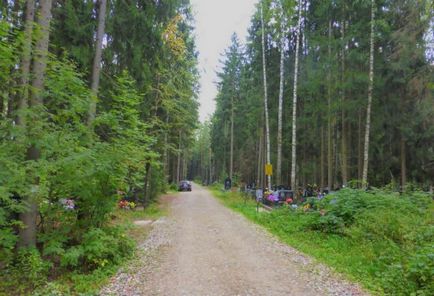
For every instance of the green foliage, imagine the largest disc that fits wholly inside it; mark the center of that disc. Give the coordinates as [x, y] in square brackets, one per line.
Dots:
[26, 272]
[98, 248]
[332, 93]
[52, 289]
[82, 171]
[381, 239]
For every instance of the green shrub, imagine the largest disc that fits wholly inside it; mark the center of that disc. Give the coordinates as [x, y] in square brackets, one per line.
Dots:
[421, 269]
[52, 289]
[380, 238]
[26, 272]
[329, 223]
[99, 248]
[173, 187]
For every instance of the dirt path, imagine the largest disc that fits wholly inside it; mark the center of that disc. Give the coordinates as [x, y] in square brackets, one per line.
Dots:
[205, 249]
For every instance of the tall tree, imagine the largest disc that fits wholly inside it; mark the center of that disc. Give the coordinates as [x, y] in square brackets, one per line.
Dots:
[231, 161]
[344, 161]
[267, 123]
[370, 89]
[281, 85]
[329, 110]
[96, 69]
[26, 60]
[28, 233]
[294, 102]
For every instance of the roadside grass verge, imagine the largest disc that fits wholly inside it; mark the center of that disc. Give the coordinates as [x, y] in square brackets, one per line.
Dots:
[380, 239]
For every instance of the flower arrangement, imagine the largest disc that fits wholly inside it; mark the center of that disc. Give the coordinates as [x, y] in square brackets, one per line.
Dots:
[67, 203]
[126, 205]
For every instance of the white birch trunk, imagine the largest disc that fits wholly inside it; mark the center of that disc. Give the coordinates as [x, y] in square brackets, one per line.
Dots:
[258, 177]
[267, 126]
[368, 110]
[280, 109]
[294, 104]
[231, 163]
[344, 130]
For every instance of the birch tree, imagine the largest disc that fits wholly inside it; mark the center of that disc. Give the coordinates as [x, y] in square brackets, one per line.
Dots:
[264, 71]
[343, 126]
[294, 103]
[368, 109]
[281, 85]
[231, 161]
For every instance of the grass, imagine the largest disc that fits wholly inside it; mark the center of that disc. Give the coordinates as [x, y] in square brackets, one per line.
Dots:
[377, 248]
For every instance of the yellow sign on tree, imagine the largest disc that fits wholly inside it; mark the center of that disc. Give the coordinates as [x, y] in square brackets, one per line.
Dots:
[268, 169]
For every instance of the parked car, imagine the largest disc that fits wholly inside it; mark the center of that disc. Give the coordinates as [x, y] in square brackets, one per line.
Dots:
[184, 185]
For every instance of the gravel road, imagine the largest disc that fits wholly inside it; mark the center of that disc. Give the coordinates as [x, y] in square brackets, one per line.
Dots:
[203, 248]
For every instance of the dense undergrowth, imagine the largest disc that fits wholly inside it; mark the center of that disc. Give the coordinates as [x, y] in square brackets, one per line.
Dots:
[83, 269]
[73, 182]
[381, 239]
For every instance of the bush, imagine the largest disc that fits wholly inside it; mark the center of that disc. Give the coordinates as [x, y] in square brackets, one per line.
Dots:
[381, 238]
[421, 270]
[329, 223]
[52, 289]
[26, 272]
[99, 248]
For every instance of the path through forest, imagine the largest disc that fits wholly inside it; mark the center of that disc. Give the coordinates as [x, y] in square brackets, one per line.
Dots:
[203, 248]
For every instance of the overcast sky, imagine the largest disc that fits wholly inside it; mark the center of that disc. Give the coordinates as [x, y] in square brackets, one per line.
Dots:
[216, 20]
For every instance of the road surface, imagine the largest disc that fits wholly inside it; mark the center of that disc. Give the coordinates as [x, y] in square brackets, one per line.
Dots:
[203, 248]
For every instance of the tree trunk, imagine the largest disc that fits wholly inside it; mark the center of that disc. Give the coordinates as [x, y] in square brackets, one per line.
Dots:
[329, 115]
[344, 135]
[28, 233]
[368, 110]
[258, 178]
[267, 126]
[322, 159]
[359, 148]
[165, 153]
[96, 69]
[280, 110]
[41, 52]
[25, 61]
[403, 164]
[294, 104]
[145, 186]
[210, 166]
[231, 161]
[178, 168]
[184, 167]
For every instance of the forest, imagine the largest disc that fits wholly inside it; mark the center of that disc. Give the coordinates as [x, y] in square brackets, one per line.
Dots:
[99, 110]
[330, 93]
[337, 96]
[97, 101]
